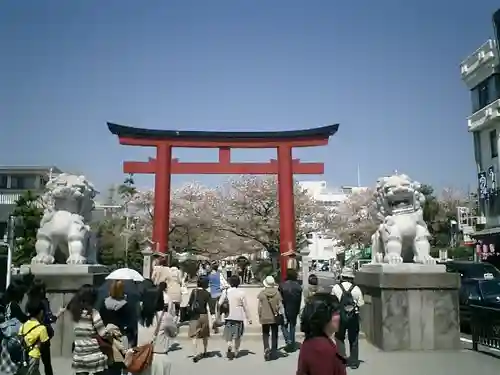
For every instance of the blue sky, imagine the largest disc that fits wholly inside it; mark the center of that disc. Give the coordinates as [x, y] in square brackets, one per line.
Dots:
[387, 71]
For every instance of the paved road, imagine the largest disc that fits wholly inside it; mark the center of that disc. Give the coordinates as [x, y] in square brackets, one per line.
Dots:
[464, 362]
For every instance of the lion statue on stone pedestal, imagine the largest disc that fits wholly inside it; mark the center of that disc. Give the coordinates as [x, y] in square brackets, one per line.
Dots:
[64, 235]
[403, 235]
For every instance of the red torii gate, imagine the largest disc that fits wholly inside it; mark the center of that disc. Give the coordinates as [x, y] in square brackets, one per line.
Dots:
[163, 166]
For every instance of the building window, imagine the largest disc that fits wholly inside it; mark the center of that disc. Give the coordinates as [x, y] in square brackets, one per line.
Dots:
[4, 179]
[493, 143]
[481, 95]
[477, 149]
[23, 182]
[486, 92]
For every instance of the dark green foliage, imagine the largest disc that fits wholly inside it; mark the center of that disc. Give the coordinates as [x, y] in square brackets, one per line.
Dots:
[29, 214]
[111, 239]
[438, 214]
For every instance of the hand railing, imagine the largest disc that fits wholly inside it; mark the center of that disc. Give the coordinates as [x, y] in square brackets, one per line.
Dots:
[485, 327]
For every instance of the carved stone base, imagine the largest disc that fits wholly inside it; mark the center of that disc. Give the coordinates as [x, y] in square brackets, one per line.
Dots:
[410, 306]
[62, 281]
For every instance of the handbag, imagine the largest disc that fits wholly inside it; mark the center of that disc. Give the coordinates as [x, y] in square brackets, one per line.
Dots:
[193, 306]
[278, 317]
[140, 358]
[224, 306]
[171, 328]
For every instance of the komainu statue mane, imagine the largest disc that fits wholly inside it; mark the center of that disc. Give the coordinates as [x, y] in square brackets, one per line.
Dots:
[403, 235]
[64, 235]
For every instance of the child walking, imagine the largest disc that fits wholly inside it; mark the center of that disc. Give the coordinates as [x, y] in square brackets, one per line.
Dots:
[34, 334]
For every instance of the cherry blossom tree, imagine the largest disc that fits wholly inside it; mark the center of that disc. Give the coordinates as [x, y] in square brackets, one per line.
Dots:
[249, 209]
[354, 220]
[192, 228]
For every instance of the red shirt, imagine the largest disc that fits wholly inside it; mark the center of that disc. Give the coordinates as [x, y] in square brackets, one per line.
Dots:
[319, 356]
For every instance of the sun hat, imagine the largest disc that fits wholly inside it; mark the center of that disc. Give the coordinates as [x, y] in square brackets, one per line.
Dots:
[269, 282]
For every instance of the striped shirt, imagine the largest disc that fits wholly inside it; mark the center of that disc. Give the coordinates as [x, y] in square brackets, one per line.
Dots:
[87, 356]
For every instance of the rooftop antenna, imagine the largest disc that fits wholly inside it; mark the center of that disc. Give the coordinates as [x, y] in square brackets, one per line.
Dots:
[359, 177]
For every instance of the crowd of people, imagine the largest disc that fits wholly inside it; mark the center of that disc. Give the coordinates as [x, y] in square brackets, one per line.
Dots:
[228, 269]
[111, 333]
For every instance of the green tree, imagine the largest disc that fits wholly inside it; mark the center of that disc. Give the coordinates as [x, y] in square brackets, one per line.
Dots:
[112, 233]
[29, 212]
[438, 213]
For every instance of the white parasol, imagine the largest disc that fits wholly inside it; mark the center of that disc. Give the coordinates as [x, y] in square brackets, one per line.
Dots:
[125, 274]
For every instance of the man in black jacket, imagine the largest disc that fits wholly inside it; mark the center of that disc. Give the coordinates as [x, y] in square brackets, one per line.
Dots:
[291, 292]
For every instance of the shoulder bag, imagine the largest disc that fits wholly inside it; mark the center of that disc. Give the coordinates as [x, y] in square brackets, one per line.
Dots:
[194, 306]
[140, 358]
[278, 316]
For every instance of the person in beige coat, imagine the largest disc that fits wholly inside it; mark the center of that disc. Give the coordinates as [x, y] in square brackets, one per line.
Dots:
[270, 308]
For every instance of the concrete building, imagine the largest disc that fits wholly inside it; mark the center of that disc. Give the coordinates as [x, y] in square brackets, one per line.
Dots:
[16, 180]
[323, 246]
[481, 74]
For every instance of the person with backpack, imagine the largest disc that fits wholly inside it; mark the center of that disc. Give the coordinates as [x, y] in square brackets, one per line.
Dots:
[33, 334]
[9, 327]
[37, 294]
[351, 299]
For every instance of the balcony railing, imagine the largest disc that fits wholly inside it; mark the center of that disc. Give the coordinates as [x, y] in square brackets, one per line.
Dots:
[485, 56]
[484, 116]
[9, 198]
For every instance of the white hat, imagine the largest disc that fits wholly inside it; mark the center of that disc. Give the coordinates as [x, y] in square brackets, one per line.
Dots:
[269, 282]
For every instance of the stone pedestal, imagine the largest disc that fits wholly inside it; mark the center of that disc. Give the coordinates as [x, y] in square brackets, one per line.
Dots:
[62, 281]
[410, 306]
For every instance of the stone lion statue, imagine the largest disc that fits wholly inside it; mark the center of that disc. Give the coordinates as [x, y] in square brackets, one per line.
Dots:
[403, 235]
[64, 235]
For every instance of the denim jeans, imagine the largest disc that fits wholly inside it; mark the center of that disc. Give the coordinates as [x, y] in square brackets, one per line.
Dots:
[288, 330]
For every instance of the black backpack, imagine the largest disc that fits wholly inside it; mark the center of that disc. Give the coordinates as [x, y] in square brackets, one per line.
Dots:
[18, 348]
[347, 303]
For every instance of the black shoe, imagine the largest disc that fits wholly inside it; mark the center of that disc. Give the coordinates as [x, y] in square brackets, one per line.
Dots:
[230, 354]
[290, 348]
[196, 358]
[353, 364]
[267, 355]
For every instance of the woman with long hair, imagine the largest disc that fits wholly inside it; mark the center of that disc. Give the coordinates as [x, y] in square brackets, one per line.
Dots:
[154, 317]
[319, 321]
[87, 355]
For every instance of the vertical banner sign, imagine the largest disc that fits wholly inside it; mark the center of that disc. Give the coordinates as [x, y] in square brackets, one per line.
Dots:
[493, 179]
[485, 251]
[483, 185]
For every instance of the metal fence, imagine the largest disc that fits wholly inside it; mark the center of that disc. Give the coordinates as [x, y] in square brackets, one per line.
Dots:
[485, 327]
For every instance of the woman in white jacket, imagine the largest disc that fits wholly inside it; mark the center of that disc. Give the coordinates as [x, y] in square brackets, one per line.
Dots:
[155, 315]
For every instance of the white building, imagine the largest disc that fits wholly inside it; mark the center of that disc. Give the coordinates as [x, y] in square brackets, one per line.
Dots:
[323, 246]
[481, 74]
